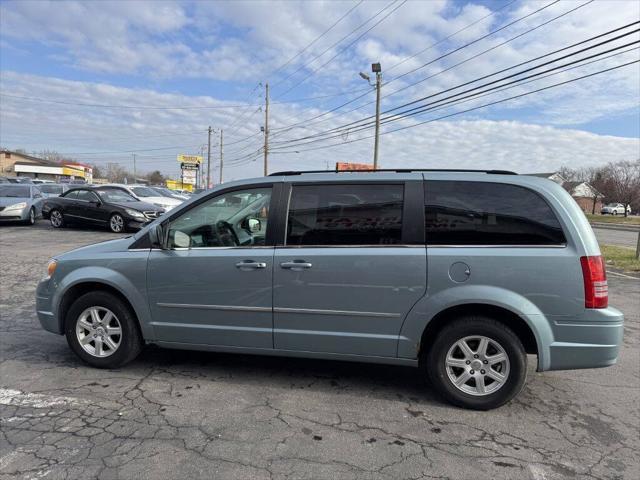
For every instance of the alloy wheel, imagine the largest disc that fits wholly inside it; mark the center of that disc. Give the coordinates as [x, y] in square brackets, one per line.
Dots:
[56, 219]
[116, 223]
[98, 331]
[32, 216]
[477, 365]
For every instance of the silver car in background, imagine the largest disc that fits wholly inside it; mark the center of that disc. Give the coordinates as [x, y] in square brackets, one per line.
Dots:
[53, 189]
[614, 209]
[20, 202]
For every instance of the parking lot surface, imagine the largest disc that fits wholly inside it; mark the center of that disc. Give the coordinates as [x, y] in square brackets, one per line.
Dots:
[189, 415]
[620, 238]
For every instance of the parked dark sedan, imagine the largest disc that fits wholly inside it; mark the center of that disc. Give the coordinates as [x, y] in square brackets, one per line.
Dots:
[104, 206]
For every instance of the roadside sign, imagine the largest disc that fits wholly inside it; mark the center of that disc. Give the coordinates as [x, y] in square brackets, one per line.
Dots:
[347, 166]
[193, 159]
[189, 166]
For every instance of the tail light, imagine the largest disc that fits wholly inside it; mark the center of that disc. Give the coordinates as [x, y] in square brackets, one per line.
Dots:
[596, 290]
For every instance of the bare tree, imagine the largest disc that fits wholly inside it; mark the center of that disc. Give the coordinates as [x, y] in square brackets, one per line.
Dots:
[53, 156]
[116, 173]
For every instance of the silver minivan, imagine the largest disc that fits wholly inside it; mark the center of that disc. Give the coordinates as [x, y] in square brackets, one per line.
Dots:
[460, 273]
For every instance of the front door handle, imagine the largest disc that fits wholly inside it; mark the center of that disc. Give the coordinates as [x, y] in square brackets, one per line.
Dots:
[249, 265]
[296, 265]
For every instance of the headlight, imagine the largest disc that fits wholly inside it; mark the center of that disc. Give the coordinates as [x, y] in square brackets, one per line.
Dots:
[51, 267]
[17, 206]
[134, 213]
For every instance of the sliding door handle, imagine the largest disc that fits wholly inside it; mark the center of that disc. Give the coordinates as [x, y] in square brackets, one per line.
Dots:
[299, 265]
[249, 265]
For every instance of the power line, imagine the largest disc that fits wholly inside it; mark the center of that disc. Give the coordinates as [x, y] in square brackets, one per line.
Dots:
[316, 39]
[367, 90]
[457, 98]
[406, 59]
[470, 109]
[337, 43]
[307, 121]
[355, 123]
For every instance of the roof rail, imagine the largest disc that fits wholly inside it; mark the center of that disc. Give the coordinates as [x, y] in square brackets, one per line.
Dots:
[394, 170]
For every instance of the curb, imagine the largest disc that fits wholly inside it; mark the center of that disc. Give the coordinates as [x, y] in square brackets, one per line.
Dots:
[613, 226]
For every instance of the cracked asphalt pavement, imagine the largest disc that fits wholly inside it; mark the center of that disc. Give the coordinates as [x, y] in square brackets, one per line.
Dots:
[178, 415]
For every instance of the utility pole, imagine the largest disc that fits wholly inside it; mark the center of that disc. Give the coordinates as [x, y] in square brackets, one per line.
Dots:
[377, 69]
[209, 159]
[221, 156]
[134, 168]
[266, 128]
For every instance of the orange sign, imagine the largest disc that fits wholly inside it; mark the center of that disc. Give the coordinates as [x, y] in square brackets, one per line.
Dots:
[346, 166]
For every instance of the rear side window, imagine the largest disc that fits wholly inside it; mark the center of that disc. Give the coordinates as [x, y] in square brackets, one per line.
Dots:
[484, 213]
[345, 215]
[86, 196]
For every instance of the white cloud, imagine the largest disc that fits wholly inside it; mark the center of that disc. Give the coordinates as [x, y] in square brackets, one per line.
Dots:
[473, 143]
[238, 43]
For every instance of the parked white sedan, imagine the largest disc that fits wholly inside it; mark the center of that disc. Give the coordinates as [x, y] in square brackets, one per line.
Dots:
[614, 209]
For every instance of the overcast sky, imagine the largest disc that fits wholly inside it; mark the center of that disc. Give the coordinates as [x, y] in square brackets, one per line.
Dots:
[100, 80]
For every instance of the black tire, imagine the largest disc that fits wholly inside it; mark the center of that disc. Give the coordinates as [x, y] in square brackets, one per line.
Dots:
[56, 218]
[130, 343]
[434, 366]
[615, 212]
[31, 220]
[113, 221]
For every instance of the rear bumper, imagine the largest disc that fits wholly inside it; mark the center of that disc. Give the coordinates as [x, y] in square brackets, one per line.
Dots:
[592, 341]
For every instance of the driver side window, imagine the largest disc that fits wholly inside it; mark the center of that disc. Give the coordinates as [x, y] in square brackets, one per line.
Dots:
[233, 219]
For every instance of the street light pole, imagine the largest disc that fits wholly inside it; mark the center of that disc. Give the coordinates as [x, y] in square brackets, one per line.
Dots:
[209, 160]
[266, 128]
[377, 69]
[221, 157]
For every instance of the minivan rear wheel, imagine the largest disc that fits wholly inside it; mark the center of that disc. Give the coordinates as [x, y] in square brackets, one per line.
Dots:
[102, 330]
[476, 362]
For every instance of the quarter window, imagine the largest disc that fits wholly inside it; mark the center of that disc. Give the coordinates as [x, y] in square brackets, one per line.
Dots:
[345, 215]
[484, 213]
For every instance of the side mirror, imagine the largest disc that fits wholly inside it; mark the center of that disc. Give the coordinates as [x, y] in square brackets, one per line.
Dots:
[156, 236]
[254, 225]
[181, 239]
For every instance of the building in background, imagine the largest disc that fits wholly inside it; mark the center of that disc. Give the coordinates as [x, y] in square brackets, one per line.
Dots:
[16, 164]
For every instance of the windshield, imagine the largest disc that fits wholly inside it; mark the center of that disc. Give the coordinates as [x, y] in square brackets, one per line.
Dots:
[115, 195]
[144, 192]
[17, 191]
[57, 189]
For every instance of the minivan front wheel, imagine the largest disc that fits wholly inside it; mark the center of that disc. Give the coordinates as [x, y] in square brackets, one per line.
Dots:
[101, 329]
[476, 362]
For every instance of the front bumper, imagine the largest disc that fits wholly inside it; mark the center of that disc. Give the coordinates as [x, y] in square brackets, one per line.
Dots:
[592, 340]
[44, 308]
[14, 215]
[135, 224]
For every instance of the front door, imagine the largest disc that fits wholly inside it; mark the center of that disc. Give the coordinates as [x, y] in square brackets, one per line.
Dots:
[348, 274]
[213, 283]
